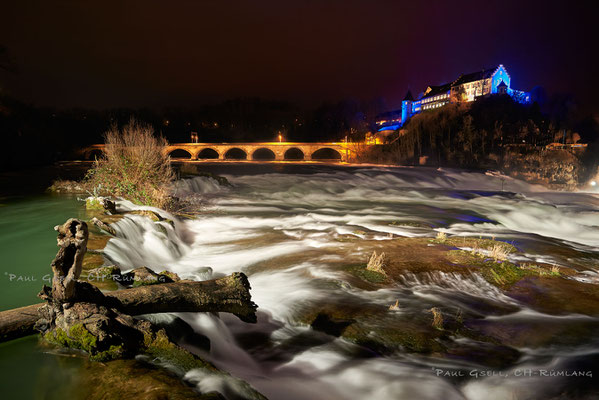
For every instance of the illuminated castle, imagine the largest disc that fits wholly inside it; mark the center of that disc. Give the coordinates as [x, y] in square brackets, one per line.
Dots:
[469, 87]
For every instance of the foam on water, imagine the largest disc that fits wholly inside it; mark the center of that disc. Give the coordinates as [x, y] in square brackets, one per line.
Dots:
[283, 229]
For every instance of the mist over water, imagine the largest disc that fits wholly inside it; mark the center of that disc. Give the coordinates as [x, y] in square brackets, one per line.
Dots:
[285, 231]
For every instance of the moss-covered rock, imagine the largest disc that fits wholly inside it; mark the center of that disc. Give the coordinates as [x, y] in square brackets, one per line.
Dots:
[173, 276]
[159, 346]
[132, 379]
[367, 275]
[92, 261]
[499, 273]
[94, 203]
[77, 337]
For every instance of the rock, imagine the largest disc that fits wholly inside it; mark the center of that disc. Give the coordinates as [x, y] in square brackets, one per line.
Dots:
[174, 277]
[148, 214]
[221, 180]
[109, 205]
[103, 226]
[66, 186]
[145, 276]
[109, 272]
[113, 381]
[331, 326]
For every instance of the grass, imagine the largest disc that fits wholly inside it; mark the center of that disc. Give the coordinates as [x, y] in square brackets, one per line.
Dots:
[499, 252]
[441, 237]
[134, 166]
[437, 318]
[376, 263]
[555, 271]
[497, 272]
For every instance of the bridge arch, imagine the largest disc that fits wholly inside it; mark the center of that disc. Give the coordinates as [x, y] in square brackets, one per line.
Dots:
[208, 153]
[263, 154]
[326, 153]
[294, 153]
[235, 153]
[180, 154]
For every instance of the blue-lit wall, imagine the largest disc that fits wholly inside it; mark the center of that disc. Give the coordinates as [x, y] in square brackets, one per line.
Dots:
[500, 75]
[406, 111]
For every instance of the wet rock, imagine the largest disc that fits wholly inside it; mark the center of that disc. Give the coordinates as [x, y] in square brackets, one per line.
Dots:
[97, 242]
[66, 186]
[148, 214]
[221, 180]
[102, 273]
[145, 276]
[100, 203]
[103, 226]
[92, 260]
[173, 276]
[330, 326]
[132, 379]
[181, 332]
[368, 276]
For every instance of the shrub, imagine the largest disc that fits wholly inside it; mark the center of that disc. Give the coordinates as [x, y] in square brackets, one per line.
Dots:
[134, 166]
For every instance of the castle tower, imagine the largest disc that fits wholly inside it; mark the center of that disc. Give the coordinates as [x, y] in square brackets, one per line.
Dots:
[406, 107]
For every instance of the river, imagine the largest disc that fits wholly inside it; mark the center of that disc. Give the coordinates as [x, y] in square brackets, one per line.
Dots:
[294, 230]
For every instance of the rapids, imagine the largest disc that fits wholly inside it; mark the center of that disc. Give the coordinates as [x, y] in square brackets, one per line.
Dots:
[286, 232]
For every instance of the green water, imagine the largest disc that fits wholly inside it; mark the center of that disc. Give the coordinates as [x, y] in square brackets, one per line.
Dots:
[27, 246]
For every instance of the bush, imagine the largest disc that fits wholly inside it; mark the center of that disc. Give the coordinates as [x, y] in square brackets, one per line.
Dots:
[134, 166]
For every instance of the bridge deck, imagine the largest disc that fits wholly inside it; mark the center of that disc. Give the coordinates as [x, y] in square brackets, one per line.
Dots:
[251, 151]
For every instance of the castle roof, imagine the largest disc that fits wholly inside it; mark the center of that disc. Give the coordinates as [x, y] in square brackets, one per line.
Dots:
[409, 96]
[502, 84]
[474, 76]
[435, 90]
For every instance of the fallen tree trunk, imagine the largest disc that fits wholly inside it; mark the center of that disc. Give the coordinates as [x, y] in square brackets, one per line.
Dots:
[18, 322]
[229, 294]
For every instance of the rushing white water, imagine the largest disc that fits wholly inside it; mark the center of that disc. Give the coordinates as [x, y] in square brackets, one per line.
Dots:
[284, 231]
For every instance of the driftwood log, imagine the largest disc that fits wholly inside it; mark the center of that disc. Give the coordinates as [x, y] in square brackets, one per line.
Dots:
[229, 294]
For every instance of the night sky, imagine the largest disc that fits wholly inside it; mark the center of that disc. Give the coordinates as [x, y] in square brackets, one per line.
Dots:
[187, 53]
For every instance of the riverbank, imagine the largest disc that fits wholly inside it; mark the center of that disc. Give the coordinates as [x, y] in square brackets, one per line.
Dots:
[556, 169]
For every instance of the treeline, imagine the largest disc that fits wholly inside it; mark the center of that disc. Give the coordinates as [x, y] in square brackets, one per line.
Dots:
[33, 135]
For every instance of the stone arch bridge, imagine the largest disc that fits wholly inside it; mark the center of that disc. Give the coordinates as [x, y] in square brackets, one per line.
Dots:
[274, 151]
